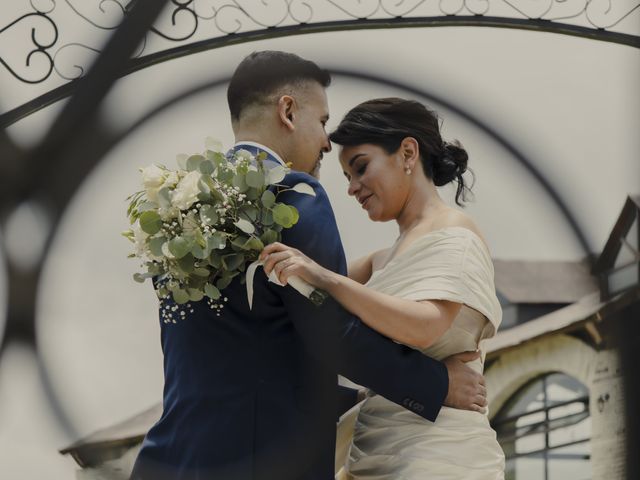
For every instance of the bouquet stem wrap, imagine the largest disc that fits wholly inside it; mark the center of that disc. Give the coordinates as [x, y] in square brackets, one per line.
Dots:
[316, 296]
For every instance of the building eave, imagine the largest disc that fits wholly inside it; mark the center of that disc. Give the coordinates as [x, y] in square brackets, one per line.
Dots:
[587, 314]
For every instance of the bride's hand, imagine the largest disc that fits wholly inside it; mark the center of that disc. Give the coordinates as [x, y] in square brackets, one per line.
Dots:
[288, 262]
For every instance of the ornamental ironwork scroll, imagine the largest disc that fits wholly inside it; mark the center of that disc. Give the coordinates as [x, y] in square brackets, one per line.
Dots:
[190, 26]
[195, 20]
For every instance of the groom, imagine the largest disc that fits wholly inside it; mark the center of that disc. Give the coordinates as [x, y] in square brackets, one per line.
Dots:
[253, 394]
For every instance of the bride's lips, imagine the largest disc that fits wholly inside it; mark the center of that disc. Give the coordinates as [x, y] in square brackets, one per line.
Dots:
[363, 200]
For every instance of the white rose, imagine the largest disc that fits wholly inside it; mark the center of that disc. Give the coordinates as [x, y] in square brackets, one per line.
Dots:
[186, 193]
[171, 180]
[153, 178]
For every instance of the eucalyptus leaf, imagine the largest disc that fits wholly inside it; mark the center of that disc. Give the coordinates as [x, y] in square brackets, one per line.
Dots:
[276, 174]
[233, 261]
[186, 263]
[197, 281]
[150, 222]
[212, 292]
[204, 197]
[270, 236]
[255, 179]
[239, 242]
[199, 237]
[155, 245]
[254, 243]
[294, 214]
[253, 193]
[282, 215]
[267, 218]
[179, 246]
[215, 260]
[154, 269]
[195, 295]
[239, 180]
[180, 296]
[199, 252]
[245, 226]
[207, 167]
[225, 175]
[193, 162]
[304, 188]
[166, 252]
[268, 198]
[217, 241]
[164, 197]
[139, 277]
[147, 206]
[248, 212]
[208, 215]
[216, 157]
[223, 282]
[201, 272]
[203, 185]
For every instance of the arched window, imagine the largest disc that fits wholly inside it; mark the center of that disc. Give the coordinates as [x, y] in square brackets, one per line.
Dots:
[544, 430]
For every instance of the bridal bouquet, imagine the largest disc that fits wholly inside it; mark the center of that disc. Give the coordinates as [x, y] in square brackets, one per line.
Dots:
[198, 227]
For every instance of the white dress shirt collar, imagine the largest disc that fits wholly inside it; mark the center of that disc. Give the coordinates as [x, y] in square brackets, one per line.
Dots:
[261, 147]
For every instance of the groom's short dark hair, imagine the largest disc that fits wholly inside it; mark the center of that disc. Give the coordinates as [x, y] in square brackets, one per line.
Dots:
[261, 74]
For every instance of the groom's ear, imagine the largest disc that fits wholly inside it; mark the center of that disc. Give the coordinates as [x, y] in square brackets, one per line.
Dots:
[286, 111]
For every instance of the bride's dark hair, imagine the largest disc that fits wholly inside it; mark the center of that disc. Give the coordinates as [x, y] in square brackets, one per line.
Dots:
[385, 122]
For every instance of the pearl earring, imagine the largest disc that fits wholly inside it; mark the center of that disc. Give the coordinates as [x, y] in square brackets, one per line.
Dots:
[408, 171]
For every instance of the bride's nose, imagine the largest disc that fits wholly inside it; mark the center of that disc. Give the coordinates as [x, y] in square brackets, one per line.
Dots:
[353, 188]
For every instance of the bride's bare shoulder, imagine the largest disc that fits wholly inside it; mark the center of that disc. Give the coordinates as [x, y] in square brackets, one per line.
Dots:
[456, 218]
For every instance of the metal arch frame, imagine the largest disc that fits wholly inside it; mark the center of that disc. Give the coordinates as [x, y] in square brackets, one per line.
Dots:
[78, 141]
[478, 17]
[78, 119]
[113, 139]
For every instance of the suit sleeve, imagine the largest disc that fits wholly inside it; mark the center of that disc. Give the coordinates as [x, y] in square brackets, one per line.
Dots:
[347, 398]
[337, 338]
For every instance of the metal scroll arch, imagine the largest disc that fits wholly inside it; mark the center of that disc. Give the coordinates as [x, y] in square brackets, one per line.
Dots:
[78, 122]
[600, 20]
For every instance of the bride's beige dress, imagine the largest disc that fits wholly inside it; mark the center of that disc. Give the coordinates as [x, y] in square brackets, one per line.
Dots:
[392, 443]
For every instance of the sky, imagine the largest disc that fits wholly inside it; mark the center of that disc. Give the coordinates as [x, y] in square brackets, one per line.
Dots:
[570, 105]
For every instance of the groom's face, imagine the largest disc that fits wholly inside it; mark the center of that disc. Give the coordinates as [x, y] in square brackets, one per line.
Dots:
[310, 140]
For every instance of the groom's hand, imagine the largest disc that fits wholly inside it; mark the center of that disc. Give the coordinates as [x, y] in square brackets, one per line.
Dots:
[467, 390]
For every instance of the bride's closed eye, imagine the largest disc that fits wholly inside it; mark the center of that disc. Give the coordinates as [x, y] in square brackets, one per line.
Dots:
[360, 168]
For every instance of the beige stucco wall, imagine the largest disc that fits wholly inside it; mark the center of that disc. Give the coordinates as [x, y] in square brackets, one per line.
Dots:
[598, 370]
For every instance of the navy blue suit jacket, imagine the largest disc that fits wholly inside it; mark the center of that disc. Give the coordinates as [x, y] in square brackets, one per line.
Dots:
[253, 394]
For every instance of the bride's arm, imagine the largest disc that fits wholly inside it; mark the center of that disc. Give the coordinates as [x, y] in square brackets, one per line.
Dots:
[360, 269]
[410, 322]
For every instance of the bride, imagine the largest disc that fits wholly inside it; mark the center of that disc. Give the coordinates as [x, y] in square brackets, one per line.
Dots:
[433, 289]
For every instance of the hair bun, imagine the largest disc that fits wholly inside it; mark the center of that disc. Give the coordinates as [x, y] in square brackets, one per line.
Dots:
[450, 165]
